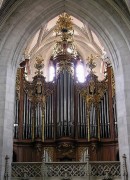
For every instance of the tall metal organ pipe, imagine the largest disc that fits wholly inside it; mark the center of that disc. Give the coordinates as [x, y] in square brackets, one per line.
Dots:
[27, 117]
[93, 122]
[65, 104]
[82, 121]
[104, 117]
[48, 118]
[16, 123]
[115, 116]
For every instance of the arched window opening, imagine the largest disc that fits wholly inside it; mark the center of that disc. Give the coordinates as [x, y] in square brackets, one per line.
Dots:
[51, 73]
[80, 72]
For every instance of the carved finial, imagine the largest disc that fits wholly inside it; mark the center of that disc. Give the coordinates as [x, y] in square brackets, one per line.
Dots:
[91, 64]
[43, 158]
[6, 174]
[64, 30]
[125, 172]
[39, 65]
[64, 27]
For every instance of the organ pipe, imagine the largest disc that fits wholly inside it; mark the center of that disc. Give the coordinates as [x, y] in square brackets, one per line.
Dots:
[108, 119]
[115, 116]
[81, 117]
[43, 123]
[65, 100]
[102, 120]
[88, 118]
[35, 126]
[104, 117]
[98, 116]
[52, 136]
[49, 118]
[24, 116]
[16, 123]
[93, 122]
[68, 106]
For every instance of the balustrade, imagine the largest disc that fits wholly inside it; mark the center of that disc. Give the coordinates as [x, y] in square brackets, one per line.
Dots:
[66, 169]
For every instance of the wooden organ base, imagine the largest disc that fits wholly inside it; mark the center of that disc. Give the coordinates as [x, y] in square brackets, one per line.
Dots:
[65, 150]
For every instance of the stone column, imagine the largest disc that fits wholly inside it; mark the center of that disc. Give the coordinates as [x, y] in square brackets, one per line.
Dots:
[7, 92]
[123, 114]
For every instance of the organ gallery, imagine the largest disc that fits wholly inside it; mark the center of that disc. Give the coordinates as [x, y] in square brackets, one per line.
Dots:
[65, 118]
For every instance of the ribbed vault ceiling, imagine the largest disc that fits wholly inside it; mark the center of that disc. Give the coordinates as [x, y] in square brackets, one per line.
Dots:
[85, 40]
[42, 41]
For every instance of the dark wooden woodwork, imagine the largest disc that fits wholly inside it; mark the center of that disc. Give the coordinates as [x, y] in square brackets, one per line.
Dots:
[109, 74]
[20, 132]
[98, 151]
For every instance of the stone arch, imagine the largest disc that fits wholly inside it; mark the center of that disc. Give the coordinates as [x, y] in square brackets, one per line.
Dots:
[32, 24]
[24, 19]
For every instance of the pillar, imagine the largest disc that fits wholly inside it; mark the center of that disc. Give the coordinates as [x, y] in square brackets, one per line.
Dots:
[7, 94]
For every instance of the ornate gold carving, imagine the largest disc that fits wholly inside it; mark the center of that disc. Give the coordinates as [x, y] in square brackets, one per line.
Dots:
[81, 152]
[50, 151]
[64, 26]
[65, 149]
[39, 65]
[18, 83]
[64, 45]
[91, 64]
[93, 90]
[38, 89]
[113, 82]
[65, 65]
[93, 147]
[37, 92]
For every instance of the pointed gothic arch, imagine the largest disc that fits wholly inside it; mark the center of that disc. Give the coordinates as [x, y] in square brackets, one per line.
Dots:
[24, 18]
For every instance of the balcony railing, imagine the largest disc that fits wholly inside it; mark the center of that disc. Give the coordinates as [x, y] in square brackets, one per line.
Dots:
[100, 168]
[28, 169]
[65, 170]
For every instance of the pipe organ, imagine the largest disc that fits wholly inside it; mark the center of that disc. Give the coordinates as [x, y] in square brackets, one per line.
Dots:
[64, 118]
[65, 104]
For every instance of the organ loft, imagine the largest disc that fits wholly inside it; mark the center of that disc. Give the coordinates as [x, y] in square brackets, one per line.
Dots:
[66, 117]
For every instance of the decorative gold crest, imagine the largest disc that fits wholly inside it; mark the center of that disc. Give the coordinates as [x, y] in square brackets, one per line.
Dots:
[64, 27]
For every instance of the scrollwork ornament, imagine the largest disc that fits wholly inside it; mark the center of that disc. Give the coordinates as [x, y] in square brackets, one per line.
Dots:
[18, 83]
